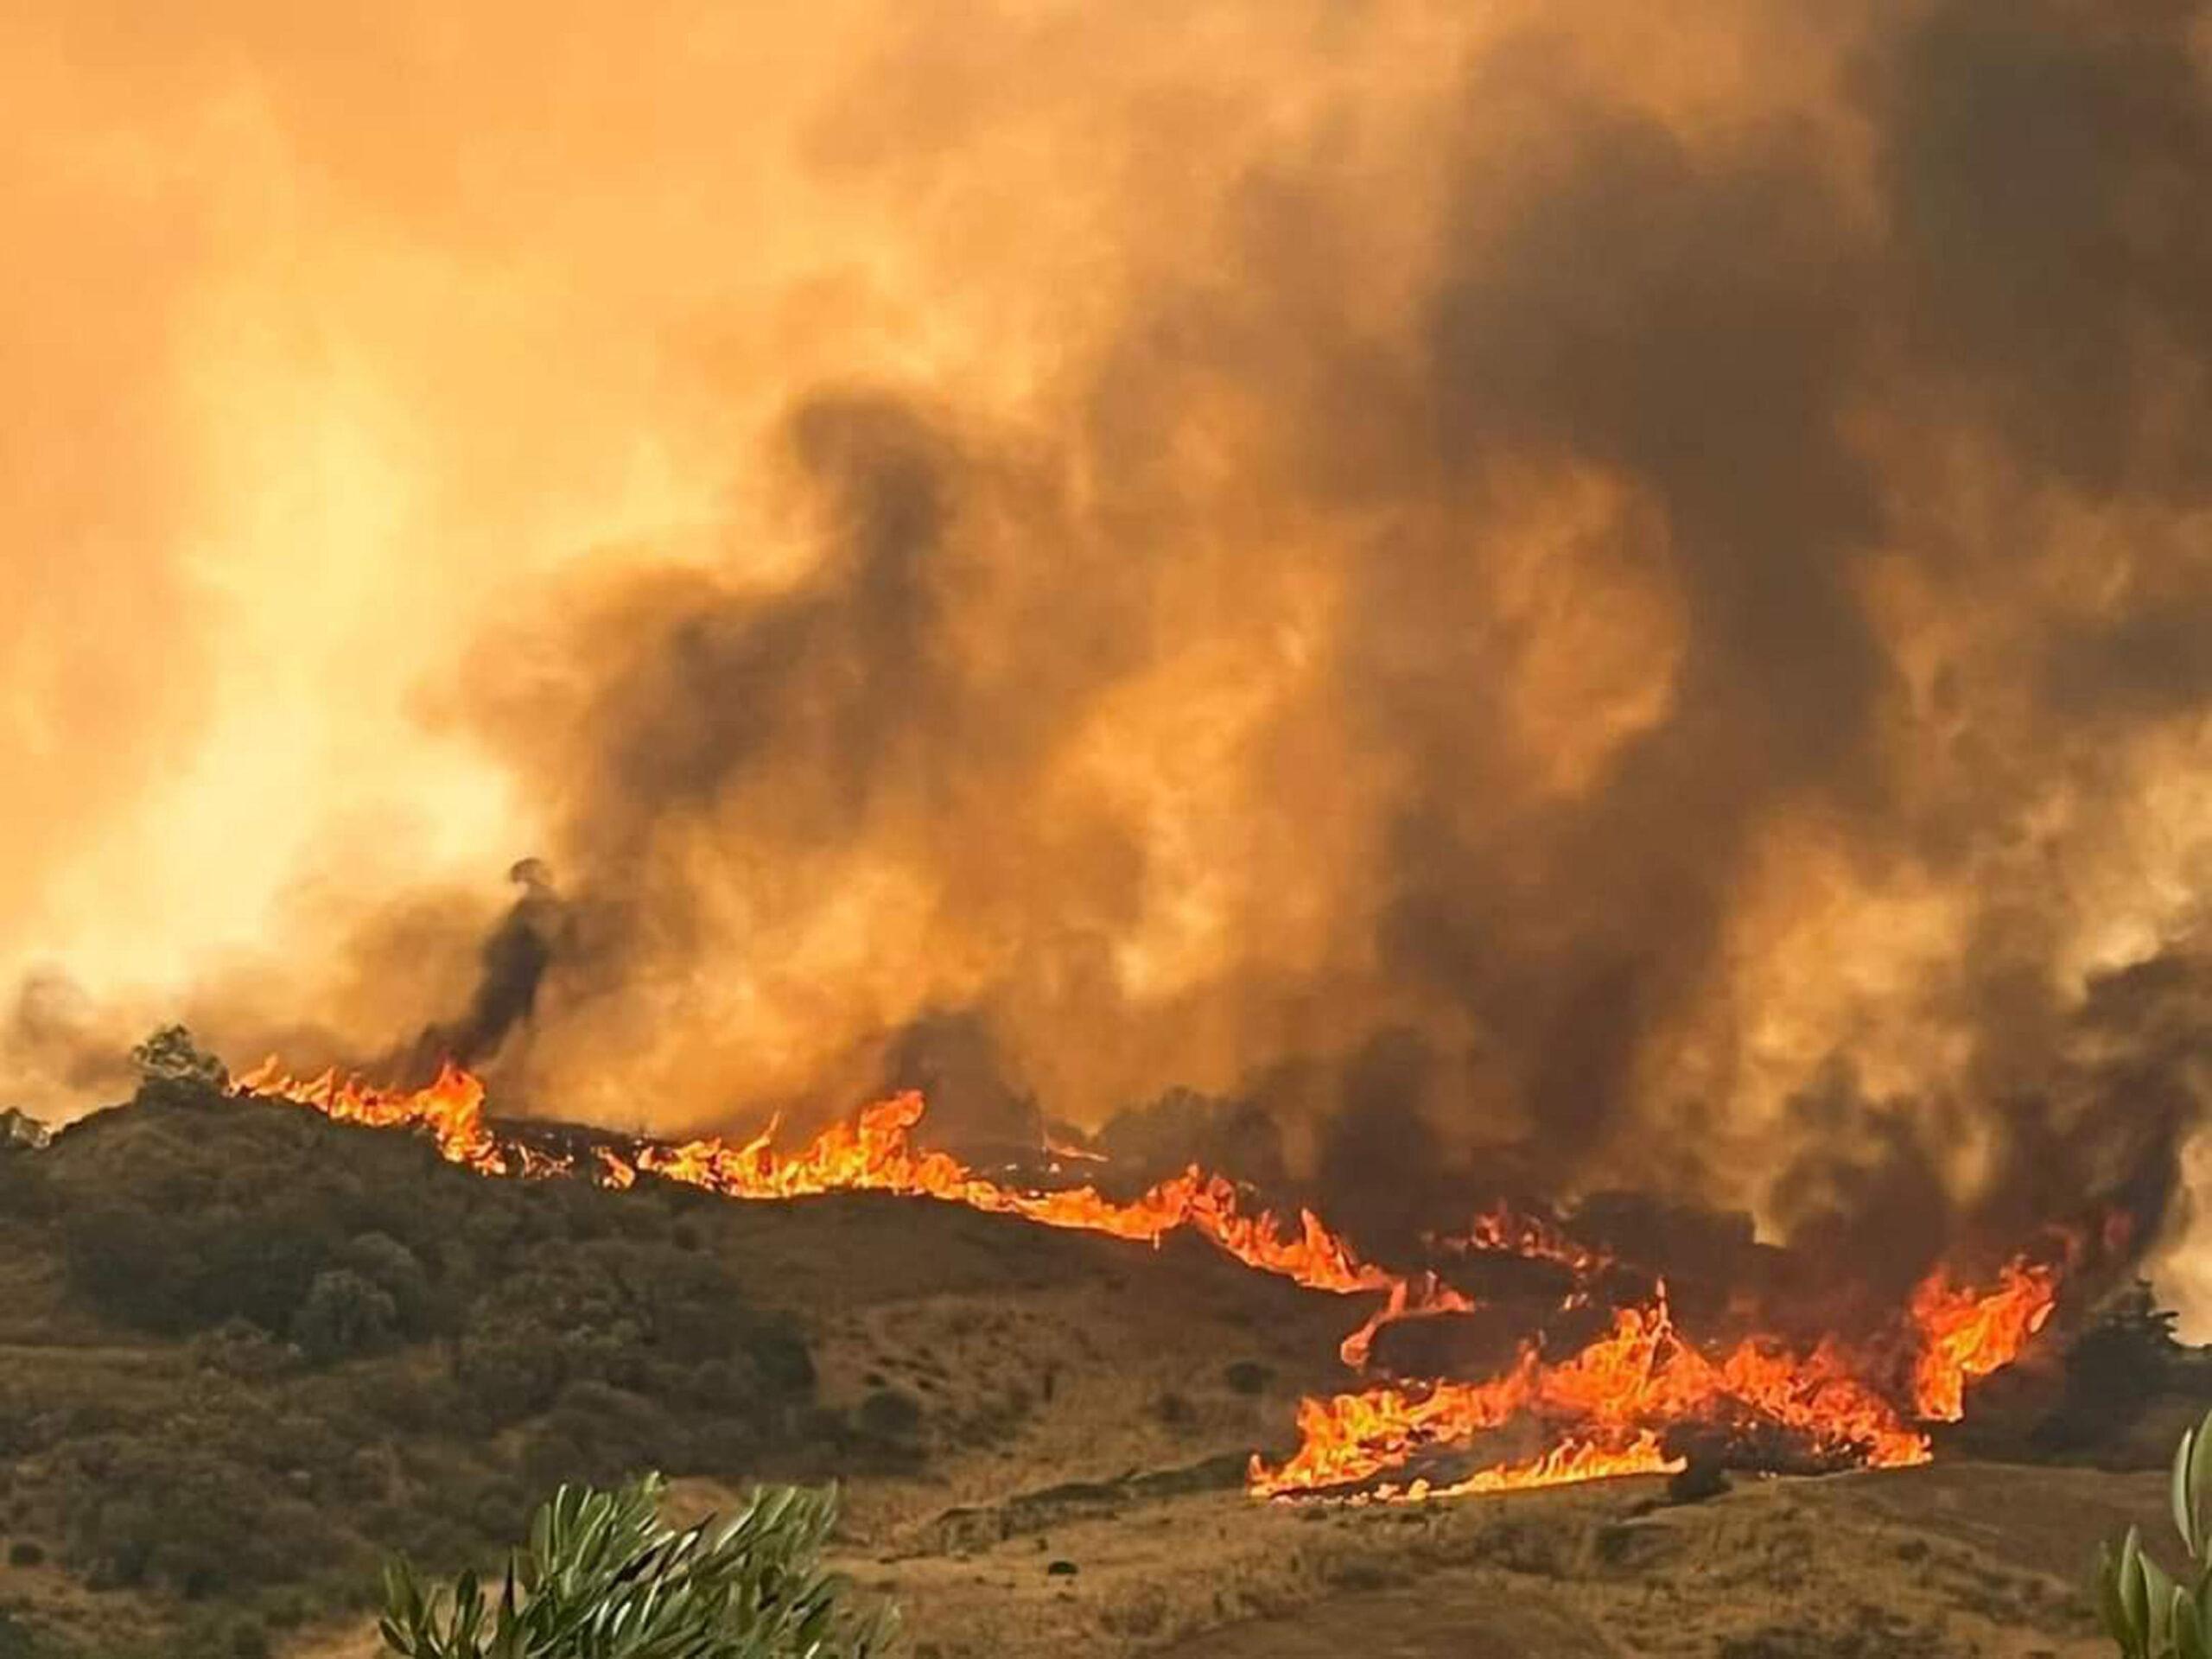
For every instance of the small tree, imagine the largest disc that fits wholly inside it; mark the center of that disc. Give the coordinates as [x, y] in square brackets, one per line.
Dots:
[602, 1577]
[2152, 1614]
[21, 1132]
[170, 1056]
[344, 1313]
[2121, 1363]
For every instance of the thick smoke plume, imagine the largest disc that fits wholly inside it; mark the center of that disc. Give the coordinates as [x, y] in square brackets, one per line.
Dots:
[1520, 599]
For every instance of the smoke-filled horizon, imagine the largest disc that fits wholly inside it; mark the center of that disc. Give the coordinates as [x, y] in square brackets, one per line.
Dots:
[1561, 602]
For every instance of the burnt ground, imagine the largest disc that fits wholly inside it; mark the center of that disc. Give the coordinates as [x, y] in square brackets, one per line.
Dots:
[1041, 1437]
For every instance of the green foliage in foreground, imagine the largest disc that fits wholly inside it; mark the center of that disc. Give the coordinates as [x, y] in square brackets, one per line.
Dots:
[603, 1578]
[2150, 1612]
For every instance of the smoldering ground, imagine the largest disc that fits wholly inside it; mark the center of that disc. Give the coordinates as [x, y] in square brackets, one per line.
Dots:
[1555, 604]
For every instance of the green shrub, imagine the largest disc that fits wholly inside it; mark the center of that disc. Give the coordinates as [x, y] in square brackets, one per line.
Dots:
[169, 1056]
[1247, 1376]
[2151, 1613]
[377, 1350]
[602, 1577]
[344, 1313]
[2117, 1367]
[891, 1415]
[187, 1511]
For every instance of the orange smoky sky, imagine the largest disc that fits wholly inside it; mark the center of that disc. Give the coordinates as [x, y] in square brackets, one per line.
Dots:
[1614, 593]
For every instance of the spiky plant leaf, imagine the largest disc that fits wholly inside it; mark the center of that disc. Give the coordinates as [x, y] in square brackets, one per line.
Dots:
[2150, 1614]
[2198, 1445]
[2158, 1593]
[2132, 1600]
[600, 1577]
[2184, 1490]
[2110, 1606]
[2188, 1633]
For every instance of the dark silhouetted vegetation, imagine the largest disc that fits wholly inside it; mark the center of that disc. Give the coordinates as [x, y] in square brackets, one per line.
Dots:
[2123, 1361]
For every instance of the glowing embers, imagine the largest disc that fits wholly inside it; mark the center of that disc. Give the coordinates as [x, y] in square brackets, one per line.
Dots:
[1630, 1402]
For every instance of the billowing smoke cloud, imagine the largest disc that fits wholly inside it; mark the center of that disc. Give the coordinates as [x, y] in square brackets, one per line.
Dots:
[1547, 603]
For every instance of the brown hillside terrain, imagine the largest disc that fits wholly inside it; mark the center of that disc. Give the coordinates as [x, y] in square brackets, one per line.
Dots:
[1959, 1561]
[1041, 1434]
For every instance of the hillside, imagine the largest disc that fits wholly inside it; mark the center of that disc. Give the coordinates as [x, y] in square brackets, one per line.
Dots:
[245, 1351]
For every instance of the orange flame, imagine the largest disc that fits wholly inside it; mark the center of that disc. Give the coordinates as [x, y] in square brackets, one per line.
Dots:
[1064, 1152]
[450, 1111]
[1605, 1411]
[1421, 1296]
[1603, 1408]
[1506, 1231]
[1965, 1334]
[1568, 1464]
[873, 1154]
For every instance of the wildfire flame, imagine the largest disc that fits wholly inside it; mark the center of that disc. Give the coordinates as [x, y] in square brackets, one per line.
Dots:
[1966, 1333]
[1606, 1406]
[1504, 1231]
[450, 1112]
[1615, 1407]
[873, 1154]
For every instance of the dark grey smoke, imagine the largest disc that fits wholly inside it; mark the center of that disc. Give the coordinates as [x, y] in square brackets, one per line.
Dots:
[1756, 339]
[952, 1059]
[511, 967]
[2044, 164]
[1160, 1139]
